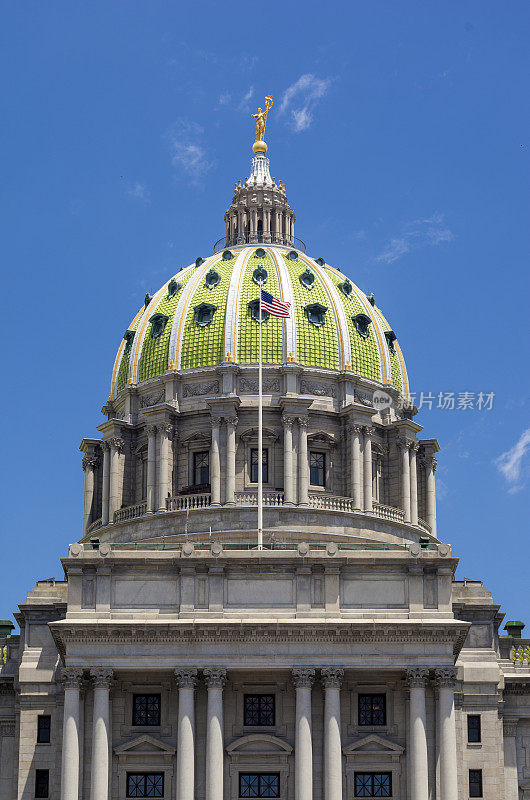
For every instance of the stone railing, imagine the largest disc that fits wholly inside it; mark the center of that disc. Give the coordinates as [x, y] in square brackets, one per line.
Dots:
[130, 512]
[188, 501]
[424, 525]
[251, 498]
[331, 502]
[520, 656]
[389, 512]
[94, 526]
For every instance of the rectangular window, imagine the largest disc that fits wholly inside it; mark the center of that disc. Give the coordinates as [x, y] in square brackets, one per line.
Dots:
[43, 729]
[372, 709]
[254, 465]
[473, 728]
[145, 784]
[373, 784]
[146, 709]
[475, 783]
[317, 469]
[42, 783]
[257, 784]
[259, 710]
[201, 468]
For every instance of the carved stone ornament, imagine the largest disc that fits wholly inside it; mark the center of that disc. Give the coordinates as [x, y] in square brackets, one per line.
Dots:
[186, 678]
[89, 462]
[509, 727]
[7, 727]
[417, 678]
[214, 677]
[151, 399]
[166, 428]
[231, 421]
[200, 389]
[72, 677]
[355, 429]
[151, 430]
[303, 677]
[117, 442]
[288, 421]
[102, 677]
[404, 444]
[445, 677]
[368, 431]
[433, 464]
[363, 399]
[248, 386]
[331, 677]
[303, 422]
[318, 389]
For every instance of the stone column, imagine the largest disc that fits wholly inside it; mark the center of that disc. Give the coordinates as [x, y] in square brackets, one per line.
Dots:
[430, 468]
[331, 680]
[419, 769]
[99, 787]
[288, 485]
[151, 469]
[303, 462]
[303, 678]
[445, 681]
[186, 680]
[116, 448]
[367, 468]
[511, 778]
[404, 444]
[215, 458]
[72, 677]
[164, 432]
[106, 483]
[414, 447]
[231, 425]
[89, 465]
[215, 679]
[356, 466]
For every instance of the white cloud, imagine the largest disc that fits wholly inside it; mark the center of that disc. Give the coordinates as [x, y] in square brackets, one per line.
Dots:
[224, 98]
[510, 463]
[301, 98]
[243, 105]
[426, 232]
[139, 191]
[188, 151]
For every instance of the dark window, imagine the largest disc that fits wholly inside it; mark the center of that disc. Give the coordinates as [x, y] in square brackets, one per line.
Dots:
[212, 279]
[373, 784]
[362, 325]
[259, 709]
[145, 784]
[316, 314]
[146, 709]
[158, 323]
[372, 709]
[129, 338]
[475, 783]
[42, 783]
[473, 728]
[256, 784]
[204, 313]
[43, 729]
[307, 279]
[254, 465]
[201, 468]
[390, 337]
[317, 469]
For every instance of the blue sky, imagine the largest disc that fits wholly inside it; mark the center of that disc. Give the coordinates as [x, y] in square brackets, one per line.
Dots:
[401, 131]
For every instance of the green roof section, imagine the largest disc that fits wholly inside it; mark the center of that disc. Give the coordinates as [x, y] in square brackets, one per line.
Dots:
[248, 328]
[124, 364]
[365, 353]
[394, 358]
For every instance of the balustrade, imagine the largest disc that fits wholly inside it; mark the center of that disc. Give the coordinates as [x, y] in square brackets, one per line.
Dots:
[130, 512]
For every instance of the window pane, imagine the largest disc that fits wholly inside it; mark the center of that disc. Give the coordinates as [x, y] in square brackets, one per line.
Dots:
[256, 784]
[475, 783]
[372, 709]
[254, 465]
[43, 729]
[373, 784]
[145, 784]
[42, 783]
[201, 468]
[317, 472]
[146, 709]
[259, 709]
[473, 728]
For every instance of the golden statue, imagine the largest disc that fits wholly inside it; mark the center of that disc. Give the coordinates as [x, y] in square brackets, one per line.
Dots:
[261, 120]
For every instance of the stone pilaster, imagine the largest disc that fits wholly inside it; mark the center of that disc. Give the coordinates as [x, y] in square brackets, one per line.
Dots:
[511, 778]
[303, 678]
[288, 483]
[356, 467]
[231, 425]
[102, 681]
[186, 680]
[115, 485]
[72, 679]
[445, 682]
[331, 680]
[419, 768]
[303, 462]
[215, 679]
[414, 447]
[215, 461]
[89, 466]
[105, 483]
[367, 468]
[404, 445]
[151, 469]
[165, 430]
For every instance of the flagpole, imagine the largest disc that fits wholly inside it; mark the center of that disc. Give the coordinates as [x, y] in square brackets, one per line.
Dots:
[260, 435]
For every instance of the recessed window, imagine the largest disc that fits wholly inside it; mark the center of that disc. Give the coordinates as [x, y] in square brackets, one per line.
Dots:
[390, 337]
[158, 323]
[475, 783]
[260, 276]
[145, 784]
[227, 255]
[373, 784]
[321, 262]
[254, 311]
[292, 255]
[42, 783]
[362, 325]
[307, 279]
[259, 710]
[173, 287]
[129, 339]
[317, 469]
[146, 709]
[474, 734]
[259, 784]
[260, 253]
[372, 709]
[212, 278]
[346, 287]
[43, 729]
[254, 474]
[201, 468]
[199, 261]
[316, 314]
[204, 314]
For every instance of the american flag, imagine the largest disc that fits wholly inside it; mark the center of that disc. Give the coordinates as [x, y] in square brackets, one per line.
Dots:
[273, 306]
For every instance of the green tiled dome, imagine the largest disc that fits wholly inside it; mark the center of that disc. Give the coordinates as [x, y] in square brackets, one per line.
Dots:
[204, 315]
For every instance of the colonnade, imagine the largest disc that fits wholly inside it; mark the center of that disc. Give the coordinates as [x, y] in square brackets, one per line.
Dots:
[277, 226]
[303, 679]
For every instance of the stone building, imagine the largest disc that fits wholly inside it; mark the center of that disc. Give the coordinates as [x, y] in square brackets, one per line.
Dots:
[176, 660]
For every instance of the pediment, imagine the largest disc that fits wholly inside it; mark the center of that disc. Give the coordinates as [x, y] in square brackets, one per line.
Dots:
[144, 744]
[373, 744]
[252, 433]
[263, 743]
[196, 437]
[322, 437]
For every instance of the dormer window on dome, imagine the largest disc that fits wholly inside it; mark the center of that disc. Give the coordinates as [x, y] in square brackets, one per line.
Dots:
[212, 279]
[316, 314]
[173, 287]
[129, 339]
[362, 325]
[292, 255]
[346, 287]
[260, 253]
[227, 255]
[254, 311]
[390, 337]
[158, 323]
[307, 279]
[321, 262]
[260, 276]
[204, 314]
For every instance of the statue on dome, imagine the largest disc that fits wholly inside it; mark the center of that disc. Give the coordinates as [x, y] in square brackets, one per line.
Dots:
[261, 118]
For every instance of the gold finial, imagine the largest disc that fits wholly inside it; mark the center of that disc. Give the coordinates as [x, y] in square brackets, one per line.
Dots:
[347, 365]
[129, 379]
[290, 357]
[171, 364]
[229, 357]
[259, 145]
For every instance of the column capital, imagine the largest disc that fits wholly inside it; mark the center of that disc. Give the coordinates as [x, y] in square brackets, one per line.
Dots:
[231, 421]
[186, 677]
[414, 447]
[331, 677]
[101, 677]
[404, 444]
[215, 420]
[445, 677]
[151, 430]
[288, 420]
[214, 677]
[353, 427]
[116, 442]
[368, 430]
[417, 677]
[89, 462]
[509, 727]
[165, 427]
[72, 677]
[105, 446]
[303, 677]
[303, 422]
